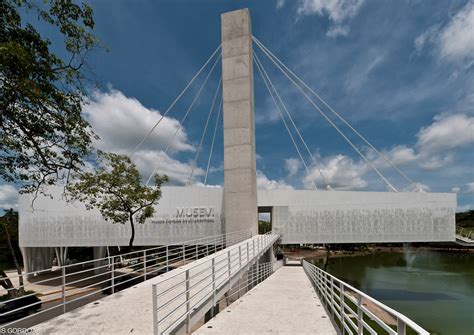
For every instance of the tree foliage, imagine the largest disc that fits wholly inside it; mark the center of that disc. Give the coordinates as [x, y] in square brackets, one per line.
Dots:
[465, 219]
[115, 189]
[43, 135]
[264, 226]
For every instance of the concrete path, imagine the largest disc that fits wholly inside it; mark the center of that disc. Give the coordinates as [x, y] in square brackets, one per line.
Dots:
[285, 303]
[130, 311]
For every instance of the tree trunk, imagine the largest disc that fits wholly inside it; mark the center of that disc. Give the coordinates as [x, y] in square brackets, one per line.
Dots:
[130, 243]
[21, 289]
[7, 284]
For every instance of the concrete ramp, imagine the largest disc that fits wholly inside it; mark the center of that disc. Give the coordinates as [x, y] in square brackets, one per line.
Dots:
[131, 310]
[285, 303]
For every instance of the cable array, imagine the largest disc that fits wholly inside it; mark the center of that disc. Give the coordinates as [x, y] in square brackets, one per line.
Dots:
[295, 80]
[186, 114]
[301, 86]
[284, 114]
[211, 109]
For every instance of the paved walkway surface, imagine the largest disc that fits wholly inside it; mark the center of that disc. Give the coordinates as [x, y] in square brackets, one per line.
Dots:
[285, 303]
[130, 311]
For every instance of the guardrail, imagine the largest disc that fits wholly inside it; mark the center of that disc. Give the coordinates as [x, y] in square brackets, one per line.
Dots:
[347, 305]
[180, 298]
[465, 232]
[255, 275]
[106, 275]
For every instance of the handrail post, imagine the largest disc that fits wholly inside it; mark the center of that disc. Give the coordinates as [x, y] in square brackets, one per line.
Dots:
[240, 258]
[197, 253]
[240, 271]
[63, 289]
[341, 296]
[401, 327]
[184, 254]
[332, 296]
[228, 266]
[113, 275]
[144, 264]
[253, 245]
[155, 309]
[213, 262]
[248, 255]
[167, 257]
[188, 302]
[360, 326]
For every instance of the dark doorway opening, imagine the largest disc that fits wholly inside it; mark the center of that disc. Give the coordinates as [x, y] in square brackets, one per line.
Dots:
[264, 219]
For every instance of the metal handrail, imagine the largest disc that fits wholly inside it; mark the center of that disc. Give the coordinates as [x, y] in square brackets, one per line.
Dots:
[335, 293]
[217, 269]
[190, 308]
[163, 257]
[467, 234]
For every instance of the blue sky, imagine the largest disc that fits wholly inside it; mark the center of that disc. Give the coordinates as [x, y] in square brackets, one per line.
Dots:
[401, 72]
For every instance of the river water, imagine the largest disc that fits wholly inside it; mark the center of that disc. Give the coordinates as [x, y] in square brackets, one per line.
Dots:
[433, 288]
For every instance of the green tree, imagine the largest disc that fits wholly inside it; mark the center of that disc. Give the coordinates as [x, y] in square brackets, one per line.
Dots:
[43, 135]
[264, 226]
[9, 219]
[115, 189]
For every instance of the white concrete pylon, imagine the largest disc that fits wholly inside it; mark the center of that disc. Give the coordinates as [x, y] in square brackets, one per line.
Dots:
[240, 177]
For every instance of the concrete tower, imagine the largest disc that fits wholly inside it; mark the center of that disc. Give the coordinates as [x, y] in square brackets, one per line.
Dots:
[240, 177]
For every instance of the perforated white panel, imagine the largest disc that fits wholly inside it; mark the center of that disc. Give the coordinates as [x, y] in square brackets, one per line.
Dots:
[186, 213]
[351, 217]
[182, 214]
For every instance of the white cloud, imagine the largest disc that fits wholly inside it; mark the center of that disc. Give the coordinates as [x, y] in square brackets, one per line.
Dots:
[362, 69]
[470, 187]
[292, 165]
[455, 189]
[435, 148]
[8, 197]
[268, 184]
[335, 31]
[121, 122]
[417, 187]
[446, 133]
[434, 162]
[430, 35]
[401, 155]
[341, 172]
[436, 143]
[178, 172]
[338, 12]
[280, 4]
[457, 38]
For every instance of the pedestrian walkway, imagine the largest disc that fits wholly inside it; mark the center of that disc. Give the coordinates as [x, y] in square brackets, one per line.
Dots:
[285, 303]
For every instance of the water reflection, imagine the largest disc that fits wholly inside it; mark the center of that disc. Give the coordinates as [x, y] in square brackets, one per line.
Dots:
[435, 289]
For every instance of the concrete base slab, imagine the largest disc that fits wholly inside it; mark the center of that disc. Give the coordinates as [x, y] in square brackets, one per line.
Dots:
[285, 303]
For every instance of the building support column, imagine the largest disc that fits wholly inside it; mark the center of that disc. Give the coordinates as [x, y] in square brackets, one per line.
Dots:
[37, 259]
[99, 252]
[61, 255]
